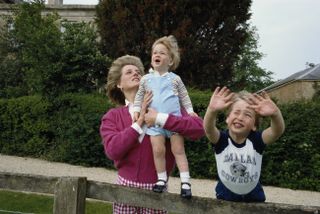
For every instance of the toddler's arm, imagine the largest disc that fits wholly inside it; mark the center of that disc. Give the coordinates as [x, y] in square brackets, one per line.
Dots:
[139, 99]
[184, 97]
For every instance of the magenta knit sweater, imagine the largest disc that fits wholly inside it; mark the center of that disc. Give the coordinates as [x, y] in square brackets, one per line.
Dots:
[134, 160]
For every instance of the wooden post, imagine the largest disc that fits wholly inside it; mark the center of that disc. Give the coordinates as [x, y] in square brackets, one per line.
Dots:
[70, 195]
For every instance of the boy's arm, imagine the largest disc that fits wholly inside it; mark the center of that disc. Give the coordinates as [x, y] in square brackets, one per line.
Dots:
[264, 106]
[275, 130]
[220, 100]
[209, 125]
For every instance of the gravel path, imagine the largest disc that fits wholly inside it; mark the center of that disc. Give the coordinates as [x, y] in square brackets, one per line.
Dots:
[200, 187]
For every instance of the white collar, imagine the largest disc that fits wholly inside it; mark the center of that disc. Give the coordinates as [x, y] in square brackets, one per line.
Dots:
[130, 107]
[126, 102]
[156, 73]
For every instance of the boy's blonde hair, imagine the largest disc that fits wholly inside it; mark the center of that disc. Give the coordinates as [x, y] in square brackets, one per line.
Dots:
[244, 95]
[114, 75]
[170, 42]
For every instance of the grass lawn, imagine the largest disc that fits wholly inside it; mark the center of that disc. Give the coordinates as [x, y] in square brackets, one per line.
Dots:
[17, 202]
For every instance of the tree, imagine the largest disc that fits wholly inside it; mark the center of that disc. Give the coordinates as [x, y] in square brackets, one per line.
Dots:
[247, 73]
[209, 33]
[51, 62]
[11, 78]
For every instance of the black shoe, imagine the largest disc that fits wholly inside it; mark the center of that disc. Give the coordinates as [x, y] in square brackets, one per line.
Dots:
[186, 193]
[160, 188]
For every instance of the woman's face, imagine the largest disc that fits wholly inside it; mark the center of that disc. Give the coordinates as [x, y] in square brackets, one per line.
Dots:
[130, 78]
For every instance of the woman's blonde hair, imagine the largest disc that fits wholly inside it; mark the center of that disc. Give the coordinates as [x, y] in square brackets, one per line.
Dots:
[113, 92]
[171, 44]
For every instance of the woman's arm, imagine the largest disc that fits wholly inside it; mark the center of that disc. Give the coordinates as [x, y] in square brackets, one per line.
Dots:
[188, 126]
[117, 138]
[117, 142]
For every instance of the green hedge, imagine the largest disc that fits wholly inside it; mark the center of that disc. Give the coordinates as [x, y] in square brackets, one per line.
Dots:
[75, 121]
[65, 131]
[24, 127]
[294, 160]
[68, 131]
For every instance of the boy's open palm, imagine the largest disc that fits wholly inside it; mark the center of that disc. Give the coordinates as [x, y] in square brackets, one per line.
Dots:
[263, 105]
[220, 99]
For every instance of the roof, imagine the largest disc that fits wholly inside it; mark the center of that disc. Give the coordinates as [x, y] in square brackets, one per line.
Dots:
[312, 73]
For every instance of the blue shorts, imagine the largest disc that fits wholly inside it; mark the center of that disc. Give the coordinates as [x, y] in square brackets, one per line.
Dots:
[154, 131]
[256, 195]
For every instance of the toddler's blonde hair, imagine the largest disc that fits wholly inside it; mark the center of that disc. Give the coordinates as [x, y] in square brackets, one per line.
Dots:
[170, 42]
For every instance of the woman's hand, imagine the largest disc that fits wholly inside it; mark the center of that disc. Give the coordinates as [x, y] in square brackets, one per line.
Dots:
[144, 107]
[193, 114]
[150, 117]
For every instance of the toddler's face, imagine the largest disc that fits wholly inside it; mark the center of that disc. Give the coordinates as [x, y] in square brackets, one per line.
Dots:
[241, 119]
[160, 59]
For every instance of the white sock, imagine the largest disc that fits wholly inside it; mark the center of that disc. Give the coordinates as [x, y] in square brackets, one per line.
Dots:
[162, 176]
[185, 176]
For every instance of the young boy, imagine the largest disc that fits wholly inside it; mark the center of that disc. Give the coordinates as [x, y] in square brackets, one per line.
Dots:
[238, 149]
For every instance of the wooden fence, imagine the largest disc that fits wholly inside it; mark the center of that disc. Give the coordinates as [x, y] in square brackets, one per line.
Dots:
[70, 194]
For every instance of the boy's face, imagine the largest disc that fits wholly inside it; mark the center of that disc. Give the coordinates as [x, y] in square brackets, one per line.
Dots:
[241, 119]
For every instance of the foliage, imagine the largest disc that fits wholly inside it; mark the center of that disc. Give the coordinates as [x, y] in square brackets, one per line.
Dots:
[24, 127]
[49, 56]
[294, 160]
[68, 131]
[210, 34]
[247, 73]
[75, 124]
[38, 61]
[82, 64]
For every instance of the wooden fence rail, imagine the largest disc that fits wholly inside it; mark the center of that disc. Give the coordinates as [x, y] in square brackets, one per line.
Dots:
[70, 194]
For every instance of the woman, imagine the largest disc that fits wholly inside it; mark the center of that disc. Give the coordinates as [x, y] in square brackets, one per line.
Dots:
[125, 142]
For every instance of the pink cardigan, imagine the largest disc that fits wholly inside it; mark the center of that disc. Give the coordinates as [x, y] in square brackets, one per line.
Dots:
[134, 160]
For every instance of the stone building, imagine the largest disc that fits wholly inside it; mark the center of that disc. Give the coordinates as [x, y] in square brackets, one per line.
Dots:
[72, 13]
[299, 86]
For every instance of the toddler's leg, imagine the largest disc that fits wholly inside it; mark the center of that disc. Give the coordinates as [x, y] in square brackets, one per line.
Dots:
[177, 147]
[159, 152]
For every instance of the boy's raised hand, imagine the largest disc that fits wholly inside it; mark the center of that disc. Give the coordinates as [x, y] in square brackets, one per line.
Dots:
[263, 105]
[220, 99]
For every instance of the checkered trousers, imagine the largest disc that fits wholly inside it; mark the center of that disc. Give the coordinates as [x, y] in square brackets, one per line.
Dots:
[119, 208]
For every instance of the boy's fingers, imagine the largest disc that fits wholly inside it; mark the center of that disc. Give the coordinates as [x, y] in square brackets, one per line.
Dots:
[265, 95]
[222, 91]
[226, 91]
[250, 101]
[216, 91]
[229, 97]
[257, 96]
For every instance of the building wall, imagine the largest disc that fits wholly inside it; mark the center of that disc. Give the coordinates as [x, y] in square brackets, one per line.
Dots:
[294, 91]
[73, 13]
